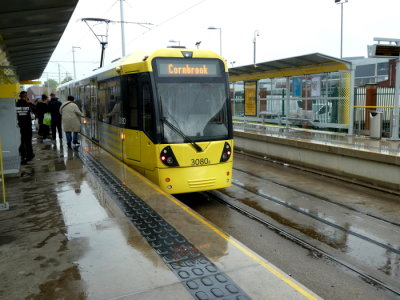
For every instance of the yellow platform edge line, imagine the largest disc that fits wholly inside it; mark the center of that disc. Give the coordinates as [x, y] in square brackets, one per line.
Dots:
[244, 250]
[256, 258]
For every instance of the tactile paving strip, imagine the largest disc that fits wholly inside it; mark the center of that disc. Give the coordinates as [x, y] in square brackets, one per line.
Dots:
[197, 273]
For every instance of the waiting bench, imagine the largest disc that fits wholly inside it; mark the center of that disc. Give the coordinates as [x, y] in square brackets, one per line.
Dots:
[299, 121]
[269, 115]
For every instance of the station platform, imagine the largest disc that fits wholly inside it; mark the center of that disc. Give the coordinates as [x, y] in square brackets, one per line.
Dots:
[361, 159]
[82, 225]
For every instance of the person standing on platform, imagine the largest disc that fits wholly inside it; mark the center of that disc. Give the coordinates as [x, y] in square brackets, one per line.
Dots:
[24, 111]
[71, 120]
[54, 108]
[41, 109]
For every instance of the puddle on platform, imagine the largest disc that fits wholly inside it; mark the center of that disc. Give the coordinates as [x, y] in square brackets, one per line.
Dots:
[6, 239]
[68, 285]
[54, 166]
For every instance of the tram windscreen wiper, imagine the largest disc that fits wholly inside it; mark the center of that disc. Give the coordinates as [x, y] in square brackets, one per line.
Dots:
[185, 137]
[177, 130]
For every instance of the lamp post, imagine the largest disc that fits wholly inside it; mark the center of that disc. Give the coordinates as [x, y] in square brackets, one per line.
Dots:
[232, 63]
[220, 37]
[341, 2]
[198, 44]
[73, 59]
[256, 34]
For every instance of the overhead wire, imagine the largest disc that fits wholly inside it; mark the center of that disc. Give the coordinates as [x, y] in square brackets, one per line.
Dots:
[157, 26]
[87, 31]
[166, 21]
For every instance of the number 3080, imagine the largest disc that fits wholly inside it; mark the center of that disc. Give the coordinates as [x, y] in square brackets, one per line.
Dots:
[200, 161]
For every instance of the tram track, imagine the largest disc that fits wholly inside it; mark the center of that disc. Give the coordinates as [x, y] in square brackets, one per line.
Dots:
[317, 251]
[344, 231]
[303, 212]
[320, 197]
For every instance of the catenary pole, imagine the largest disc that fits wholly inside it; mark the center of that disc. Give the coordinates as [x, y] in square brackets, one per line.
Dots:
[121, 6]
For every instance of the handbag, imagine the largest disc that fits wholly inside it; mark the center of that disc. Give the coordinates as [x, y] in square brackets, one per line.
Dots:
[47, 119]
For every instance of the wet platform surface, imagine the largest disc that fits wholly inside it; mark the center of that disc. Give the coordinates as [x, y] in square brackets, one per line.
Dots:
[382, 146]
[359, 159]
[65, 237]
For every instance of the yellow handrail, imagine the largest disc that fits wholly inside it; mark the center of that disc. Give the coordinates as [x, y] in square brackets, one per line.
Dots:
[2, 175]
[361, 106]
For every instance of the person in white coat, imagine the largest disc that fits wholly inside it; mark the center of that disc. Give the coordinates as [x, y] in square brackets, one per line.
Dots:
[71, 120]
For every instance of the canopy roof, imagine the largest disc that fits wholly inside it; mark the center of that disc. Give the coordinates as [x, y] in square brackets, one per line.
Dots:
[29, 33]
[293, 66]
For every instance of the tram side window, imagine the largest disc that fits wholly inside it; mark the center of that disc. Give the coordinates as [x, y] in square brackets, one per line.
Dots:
[133, 107]
[114, 109]
[102, 103]
[86, 103]
[81, 97]
[114, 103]
[147, 109]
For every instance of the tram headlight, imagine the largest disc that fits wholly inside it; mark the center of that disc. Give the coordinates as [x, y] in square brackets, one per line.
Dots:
[226, 152]
[168, 158]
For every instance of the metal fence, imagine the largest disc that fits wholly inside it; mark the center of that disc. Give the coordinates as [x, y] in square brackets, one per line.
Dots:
[330, 110]
[317, 101]
[384, 106]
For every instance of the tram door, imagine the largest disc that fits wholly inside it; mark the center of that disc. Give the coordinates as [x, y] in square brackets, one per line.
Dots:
[132, 144]
[94, 110]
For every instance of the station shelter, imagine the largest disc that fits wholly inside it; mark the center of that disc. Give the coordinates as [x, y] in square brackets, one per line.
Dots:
[29, 33]
[312, 91]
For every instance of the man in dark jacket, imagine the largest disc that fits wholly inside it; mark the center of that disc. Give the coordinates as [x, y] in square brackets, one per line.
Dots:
[41, 109]
[54, 107]
[25, 127]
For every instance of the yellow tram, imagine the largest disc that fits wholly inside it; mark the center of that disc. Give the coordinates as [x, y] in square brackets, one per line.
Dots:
[167, 114]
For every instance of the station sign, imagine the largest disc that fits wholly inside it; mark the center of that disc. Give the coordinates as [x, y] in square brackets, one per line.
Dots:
[386, 47]
[388, 51]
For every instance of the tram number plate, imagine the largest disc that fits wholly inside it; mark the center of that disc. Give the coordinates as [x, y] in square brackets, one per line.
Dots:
[200, 161]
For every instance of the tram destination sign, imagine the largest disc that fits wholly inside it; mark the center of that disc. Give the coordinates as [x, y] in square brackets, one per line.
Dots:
[179, 68]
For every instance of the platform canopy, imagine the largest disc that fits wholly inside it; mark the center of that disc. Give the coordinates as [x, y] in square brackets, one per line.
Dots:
[293, 66]
[30, 32]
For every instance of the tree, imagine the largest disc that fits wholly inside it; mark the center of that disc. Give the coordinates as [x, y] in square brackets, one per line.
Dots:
[66, 79]
[51, 84]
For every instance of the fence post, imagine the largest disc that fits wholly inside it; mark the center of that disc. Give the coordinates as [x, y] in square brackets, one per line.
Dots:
[395, 118]
[352, 100]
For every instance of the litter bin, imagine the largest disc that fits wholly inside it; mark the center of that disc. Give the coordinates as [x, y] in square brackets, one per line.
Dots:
[375, 124]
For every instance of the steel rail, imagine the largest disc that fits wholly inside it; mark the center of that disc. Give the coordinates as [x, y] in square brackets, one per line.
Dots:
[317, 196]
[218, 196]
[299, 210]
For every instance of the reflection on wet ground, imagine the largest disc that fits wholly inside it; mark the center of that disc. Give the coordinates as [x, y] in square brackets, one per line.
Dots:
[66, 284]
[38, 263]
[56, 233]
[66, 238]
[284, 221]
[365, 240]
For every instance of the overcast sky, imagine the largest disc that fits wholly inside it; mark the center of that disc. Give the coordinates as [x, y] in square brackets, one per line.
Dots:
[286, 28]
